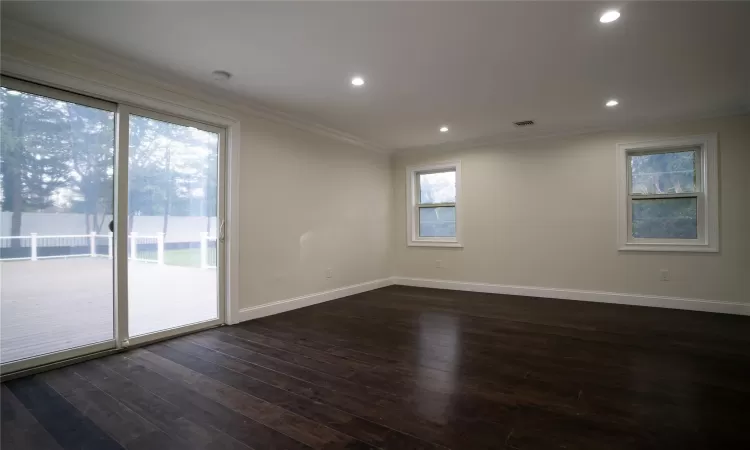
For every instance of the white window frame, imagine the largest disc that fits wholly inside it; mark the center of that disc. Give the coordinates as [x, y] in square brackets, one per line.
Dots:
[707, 195]
[413, 206]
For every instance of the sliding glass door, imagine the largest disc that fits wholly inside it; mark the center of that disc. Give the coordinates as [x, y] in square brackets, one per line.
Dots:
[56, 265]
[111, 231]
[173, 232]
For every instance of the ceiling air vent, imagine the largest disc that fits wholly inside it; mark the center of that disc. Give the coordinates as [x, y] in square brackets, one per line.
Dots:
[524, 123]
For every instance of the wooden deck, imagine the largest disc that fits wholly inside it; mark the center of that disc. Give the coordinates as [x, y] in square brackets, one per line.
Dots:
[54, 305]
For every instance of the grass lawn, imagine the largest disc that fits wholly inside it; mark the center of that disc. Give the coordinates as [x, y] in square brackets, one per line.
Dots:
[188, 257]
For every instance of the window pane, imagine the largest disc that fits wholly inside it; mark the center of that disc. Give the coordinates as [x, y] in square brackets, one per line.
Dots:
[673, 218]
[172, 243]
[663, 173]
[56, 186]
[437, 187]
[437, 222]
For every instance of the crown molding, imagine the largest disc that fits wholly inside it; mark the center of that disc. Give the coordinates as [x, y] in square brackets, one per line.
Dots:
[77, 53]
[514, 136]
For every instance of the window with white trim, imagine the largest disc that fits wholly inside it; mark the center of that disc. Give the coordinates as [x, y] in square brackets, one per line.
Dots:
[668, 193]
[433, 194]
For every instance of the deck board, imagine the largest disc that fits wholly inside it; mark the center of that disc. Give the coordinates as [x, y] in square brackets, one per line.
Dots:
[58, 304]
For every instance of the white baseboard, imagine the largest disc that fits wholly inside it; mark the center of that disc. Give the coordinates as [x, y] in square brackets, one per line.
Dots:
[267, 309]
[692, 304]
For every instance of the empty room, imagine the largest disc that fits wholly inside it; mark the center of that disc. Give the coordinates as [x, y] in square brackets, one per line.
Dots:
[383, 225]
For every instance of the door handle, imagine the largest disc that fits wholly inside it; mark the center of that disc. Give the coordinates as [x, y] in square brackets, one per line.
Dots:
[221, 231]
[112, 226]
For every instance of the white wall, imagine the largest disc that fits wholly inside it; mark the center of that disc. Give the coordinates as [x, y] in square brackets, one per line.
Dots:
[309, 204]
[542, 214]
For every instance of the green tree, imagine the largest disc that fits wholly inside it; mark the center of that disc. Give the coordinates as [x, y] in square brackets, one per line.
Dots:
[34, 157]
[91, 142]
[61, 154]
[167, 163]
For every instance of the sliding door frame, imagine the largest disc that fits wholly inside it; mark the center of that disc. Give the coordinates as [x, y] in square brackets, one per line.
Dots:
[92, 102]
[66, 87]
[123, 338]
[122, 145]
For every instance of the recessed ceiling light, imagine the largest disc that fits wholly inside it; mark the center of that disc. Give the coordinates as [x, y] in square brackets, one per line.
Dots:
[358, 81]
[443, 129]
[612, 103]
[221, 75]
[609, 16]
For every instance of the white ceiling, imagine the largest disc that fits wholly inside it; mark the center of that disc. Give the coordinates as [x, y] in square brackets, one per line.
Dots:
[476, 67]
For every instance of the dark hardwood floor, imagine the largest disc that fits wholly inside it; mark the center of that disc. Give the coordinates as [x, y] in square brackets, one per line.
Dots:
[408, 368]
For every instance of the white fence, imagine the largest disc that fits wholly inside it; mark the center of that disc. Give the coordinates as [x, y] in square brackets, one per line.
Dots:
[180, 228]
[146, 248]
[140, 248]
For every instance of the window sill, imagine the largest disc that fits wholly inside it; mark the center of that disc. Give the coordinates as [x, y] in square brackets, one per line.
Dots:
[647, 247]
[449, 244]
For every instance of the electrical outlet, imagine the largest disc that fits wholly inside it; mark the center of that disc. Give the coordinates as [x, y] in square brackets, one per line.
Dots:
[329, 273]
[664, 275]
[438, 263]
